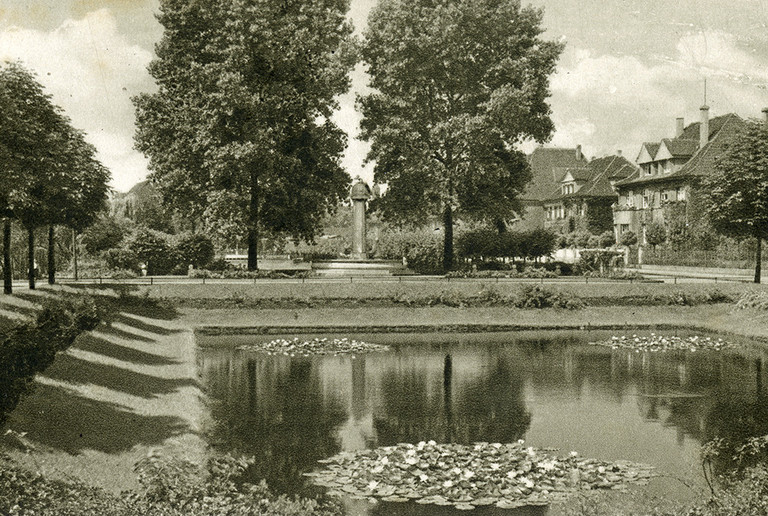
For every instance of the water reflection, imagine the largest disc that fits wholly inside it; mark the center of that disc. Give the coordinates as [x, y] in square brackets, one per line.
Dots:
[548, 388]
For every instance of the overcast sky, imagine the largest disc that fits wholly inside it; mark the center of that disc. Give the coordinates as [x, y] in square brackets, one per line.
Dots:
[630, 68]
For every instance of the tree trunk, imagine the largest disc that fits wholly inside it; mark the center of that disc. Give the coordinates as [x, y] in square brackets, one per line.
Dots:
[31, 257]
[253, 224]
[759, 260]
[74, 253]
[448, 240]
[501, 226]
[7, 272]
[51, 255]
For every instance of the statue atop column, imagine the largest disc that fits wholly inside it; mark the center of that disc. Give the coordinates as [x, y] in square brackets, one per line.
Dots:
[360, 194]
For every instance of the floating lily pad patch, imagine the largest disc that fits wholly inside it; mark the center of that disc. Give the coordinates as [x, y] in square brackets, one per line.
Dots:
[655, 343]
[316, 346]
[469, 476]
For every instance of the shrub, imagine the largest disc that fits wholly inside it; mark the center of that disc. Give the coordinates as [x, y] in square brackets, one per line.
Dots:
[195, 249]
[105, 234]
[536, 296]
[755, 299]
[628, 239]
[30, 348]
[599, 260]
[655, 234]
[510, 244]
[121, 258]
[152, 248]
[606, 239]
[579, 239]
[423, 250]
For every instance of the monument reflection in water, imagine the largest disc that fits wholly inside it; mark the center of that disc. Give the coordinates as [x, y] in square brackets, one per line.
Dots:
[549, 388]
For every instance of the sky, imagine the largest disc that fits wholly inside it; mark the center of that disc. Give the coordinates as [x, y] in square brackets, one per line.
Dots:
[630, 68]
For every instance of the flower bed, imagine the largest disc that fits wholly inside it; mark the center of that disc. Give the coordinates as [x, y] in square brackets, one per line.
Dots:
[655, 343]
[316, 346]
[469, 476]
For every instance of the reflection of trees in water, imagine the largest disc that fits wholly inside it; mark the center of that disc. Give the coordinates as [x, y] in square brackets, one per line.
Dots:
[277, 414]
[490, 407]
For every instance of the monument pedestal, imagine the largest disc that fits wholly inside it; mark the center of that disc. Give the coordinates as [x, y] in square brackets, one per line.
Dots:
[357, 267]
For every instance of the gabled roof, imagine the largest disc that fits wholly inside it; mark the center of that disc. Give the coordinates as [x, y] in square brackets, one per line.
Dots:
[579, 174]
[703, 162]
[647, 152]
[721, 131]
[680, 148]
[548, 166]
[601, 173]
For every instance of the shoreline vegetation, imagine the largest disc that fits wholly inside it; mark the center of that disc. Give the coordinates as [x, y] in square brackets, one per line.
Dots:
[149, 332]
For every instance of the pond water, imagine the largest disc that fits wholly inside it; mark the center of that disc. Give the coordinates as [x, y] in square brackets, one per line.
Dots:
[550, 388]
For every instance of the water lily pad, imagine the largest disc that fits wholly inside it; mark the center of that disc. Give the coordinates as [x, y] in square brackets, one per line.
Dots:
[317, 346]
[507, 475]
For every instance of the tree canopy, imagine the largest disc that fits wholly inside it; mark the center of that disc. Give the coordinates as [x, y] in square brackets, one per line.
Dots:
[736, 194]
[239, 132]
[50, 173]
[457, 86]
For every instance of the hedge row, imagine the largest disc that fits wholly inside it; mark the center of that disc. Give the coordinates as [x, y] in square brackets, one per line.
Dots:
[30, 348]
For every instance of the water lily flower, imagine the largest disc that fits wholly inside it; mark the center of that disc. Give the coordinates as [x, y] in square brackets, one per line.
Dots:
[384, 460]
[574, 454]
[547, 465]
[511, 473]
[373, 484]
[527, 482]
[377, 469]
[448, 483]
[495, 466]
[421, 445]
[423, 477]
[431, 443]
[468, 474]
[601, 469]
[519, 441]
[456, 471]
[530, 451]
[411, 460]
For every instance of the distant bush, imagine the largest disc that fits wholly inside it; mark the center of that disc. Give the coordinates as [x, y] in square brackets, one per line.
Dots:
[756, 299]
[526, 272]
[239, 273]
[30, 348]
[423, 250]
[488, 244]
[606, 239]
[105, 234]
[536, 296]
[628, 239]
[121, 258]
[323, 249]
[195, 249]
[153, 249]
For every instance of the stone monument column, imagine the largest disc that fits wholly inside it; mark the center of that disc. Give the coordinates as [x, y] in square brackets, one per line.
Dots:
[360, 194]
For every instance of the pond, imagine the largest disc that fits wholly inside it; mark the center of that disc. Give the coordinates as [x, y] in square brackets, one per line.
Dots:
[550, 388]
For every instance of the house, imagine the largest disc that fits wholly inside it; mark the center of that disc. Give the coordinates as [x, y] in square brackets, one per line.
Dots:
[584, 197]
[663, 189]
[548, 165]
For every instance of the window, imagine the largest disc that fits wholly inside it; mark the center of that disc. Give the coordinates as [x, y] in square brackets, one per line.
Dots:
[664, 196]
[645, 201]
[631, 199]
[680, 193]
[623, 228]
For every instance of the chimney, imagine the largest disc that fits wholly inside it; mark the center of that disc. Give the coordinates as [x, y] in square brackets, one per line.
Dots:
[618, 152]
[579, 155]
[704, 129]
[680, 127]
[765, 117]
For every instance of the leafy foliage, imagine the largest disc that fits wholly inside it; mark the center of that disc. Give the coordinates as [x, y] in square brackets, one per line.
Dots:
[440, 142]
[628, 239]
[509, 244]
[736, 194]
[196, 249]
[422, 250]
[30, 348]
[655, 234]
[106, 233]
[154, 250]
[239, 132]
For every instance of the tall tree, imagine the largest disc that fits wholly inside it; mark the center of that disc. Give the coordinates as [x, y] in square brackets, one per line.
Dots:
[736, 194]
[239, 132]
[28, 121]
[458, 84]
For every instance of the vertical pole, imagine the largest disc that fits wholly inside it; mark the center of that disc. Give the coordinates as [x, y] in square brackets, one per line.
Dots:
[31, 258]
[74, 253]
[7, 272]
[51, 255]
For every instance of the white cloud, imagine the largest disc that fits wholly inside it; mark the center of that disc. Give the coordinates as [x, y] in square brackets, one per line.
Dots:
[91, 71]
[615, 102]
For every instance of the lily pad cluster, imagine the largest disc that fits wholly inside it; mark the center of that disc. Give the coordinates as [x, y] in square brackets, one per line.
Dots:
[469, 476]
[664, 343]
[316, 346]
